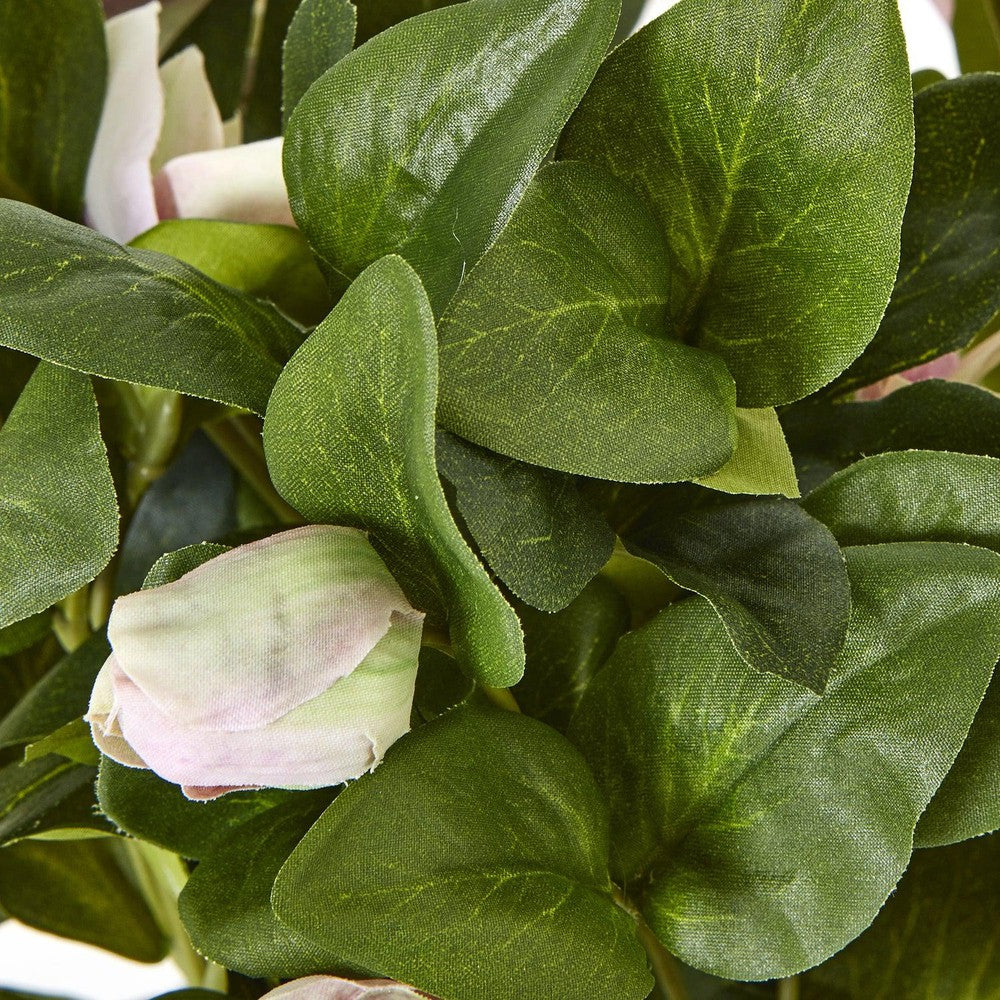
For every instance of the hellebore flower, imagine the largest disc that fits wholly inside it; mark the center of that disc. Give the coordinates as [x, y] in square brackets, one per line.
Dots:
[288, 663]
[332, 988]
[160, 150]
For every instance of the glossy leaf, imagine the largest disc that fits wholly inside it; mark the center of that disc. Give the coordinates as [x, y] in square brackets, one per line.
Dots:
[58, 509]
[54, 65]
[535, 530]
[775, 144]
[563, 323]
[421, 141]
[948, 286]
[936, 939]
[493, 858]
[320, 35]
[191, 334]
[774, 575]
[355, 407]
[764, 825]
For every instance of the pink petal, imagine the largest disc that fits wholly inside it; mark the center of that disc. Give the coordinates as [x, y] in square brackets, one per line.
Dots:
[191, 119]
[238, 184]
[334, 988]
[943, 367]
[119, 199]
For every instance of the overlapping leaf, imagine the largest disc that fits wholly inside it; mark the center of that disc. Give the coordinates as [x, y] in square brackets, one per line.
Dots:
[320, 34]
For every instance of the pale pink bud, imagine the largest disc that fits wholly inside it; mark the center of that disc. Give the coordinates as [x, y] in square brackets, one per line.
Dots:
[332, 988]
[943, 367]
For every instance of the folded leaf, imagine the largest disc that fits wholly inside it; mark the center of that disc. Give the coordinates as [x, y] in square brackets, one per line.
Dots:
[421, 141]
[775, 143]
[765, 825]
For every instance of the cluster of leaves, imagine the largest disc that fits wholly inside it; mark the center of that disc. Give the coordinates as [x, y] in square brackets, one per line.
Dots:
[566, 333]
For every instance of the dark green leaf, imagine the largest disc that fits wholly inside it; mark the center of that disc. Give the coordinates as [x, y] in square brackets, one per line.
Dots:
[15, 370]
[486, 879]
[762, 826]
[977, 35]
[22, 634]
[320, 35]
[774, 575]
[563, 323]
[421, 141]
[775, 143]
[52, 73]
[191, 334]
[58, 509]
[948, 286]
[79, 890]
[375, 16]
[534, 529]
[936, 939]
[441, 685]
[355, 407]
[173, 565]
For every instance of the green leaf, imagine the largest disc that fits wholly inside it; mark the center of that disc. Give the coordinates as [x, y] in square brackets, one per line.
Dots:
[53, 66]
[421, 141]
[355, 407]
[320, 35]
[948, 286]
[774, 575]
[61, 695]
[936, 939]
[977, 35]
[269, 262]
[173, 565]
[15, 370]
[191, 334]
[24, 633]
[58, 509]
[564, 651]
[775, 143]
[563, 323]
[226, 904]
[72, 742]
[151, 809]
[761, 463]
[79, 890]
[535, 530]
[486, 879]
[763, 826]
[375, 16]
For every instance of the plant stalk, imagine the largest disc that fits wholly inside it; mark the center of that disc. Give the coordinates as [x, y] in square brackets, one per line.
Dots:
[666, 971]
[788, 989]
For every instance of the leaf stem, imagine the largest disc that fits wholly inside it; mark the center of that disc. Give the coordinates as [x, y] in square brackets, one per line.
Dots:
[788, 989]
[502, 698]
[666, 971]
[70, 619]
[251, 55]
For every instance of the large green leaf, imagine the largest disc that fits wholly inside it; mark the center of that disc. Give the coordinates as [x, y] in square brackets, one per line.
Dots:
[72, 296]
[564, 324]
[487, 878]
[52, 73]
[421, 141]
[936, 939]
[775, 143]
[535, 530]
[948, 286]
[321, 34]
[761, 825]
[774, 575]
[349, 436]
[58, 509]
[79, 890]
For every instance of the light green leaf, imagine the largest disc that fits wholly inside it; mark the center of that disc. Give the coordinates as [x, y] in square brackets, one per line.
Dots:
[763, 825]
[173, 565]
[355, 407]
[535, 530]
[58, 509]
[71, 742]
[775, 143]
[190, 334]
[53, 65]
[486, 879]
[948, 286]
[936, 939]
[774, 575]
[564, 323]
[320, 35]
[761, 463]
[977, 35]
[421, 141]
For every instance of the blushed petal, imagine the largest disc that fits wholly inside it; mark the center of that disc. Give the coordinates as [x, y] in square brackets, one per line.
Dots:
[118, 195]
[250, 635]
[337, 736]
[334, 988]
[237, 184]
[102, 714]
[191, 119]
[942, 367]
[882, 388]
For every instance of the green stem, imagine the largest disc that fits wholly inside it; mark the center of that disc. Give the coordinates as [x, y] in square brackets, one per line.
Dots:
[788, 989]
[251, 55]
[71, 620]
[502, 698]
[666, 971]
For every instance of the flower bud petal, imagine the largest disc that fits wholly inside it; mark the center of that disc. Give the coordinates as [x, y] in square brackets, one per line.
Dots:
[333, 988]
[191, 118]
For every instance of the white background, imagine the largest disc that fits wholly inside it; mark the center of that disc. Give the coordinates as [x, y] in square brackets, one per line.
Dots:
[34, 961]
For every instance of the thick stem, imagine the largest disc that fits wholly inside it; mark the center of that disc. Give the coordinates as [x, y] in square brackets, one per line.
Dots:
[666, 971]
[788, 989]
[70, 619]
[502, 698]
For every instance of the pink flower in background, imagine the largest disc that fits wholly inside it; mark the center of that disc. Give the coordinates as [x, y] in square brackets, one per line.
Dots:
[332, 988]
[288, 662]
[162, 149]
[943, 367]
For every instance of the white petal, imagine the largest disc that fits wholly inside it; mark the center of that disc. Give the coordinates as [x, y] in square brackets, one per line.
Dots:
[176, 16]
[119, 199]
[250, 635]
[191, 118]
[239, 184]
[102, 714]
[334, 988]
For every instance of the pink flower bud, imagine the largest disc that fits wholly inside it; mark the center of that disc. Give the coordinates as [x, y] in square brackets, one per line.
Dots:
[332, 988]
